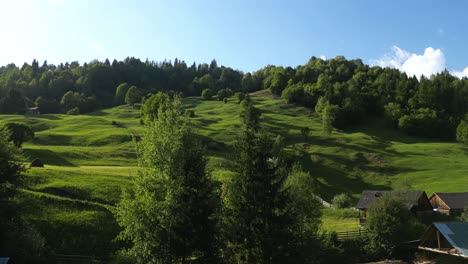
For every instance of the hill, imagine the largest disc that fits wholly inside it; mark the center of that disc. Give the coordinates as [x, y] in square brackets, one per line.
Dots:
[90, 158]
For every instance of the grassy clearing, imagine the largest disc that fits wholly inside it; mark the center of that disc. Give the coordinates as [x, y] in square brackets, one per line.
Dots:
[339, 220]
[89, 160]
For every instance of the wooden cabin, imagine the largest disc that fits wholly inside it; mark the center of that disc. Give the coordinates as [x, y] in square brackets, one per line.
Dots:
[31, 111]
[449, 203]
[449, 238]
[416, 201]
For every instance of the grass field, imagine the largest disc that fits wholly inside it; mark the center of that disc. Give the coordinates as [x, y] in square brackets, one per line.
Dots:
[89, 159]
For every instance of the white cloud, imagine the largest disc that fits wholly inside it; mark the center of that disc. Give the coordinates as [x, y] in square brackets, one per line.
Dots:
[432, 61]
[460, 74]
[395, 59]
[323, 57]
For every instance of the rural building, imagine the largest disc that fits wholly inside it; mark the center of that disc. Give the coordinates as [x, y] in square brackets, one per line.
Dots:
[416, 201]
[449, 203]
[32, 111]
[449, 238]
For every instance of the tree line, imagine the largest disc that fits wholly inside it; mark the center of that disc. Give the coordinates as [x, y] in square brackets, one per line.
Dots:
[346, 92]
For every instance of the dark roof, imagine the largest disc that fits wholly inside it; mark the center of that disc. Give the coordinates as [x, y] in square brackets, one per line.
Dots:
[368, 197]
[454, 200]
[456, 234]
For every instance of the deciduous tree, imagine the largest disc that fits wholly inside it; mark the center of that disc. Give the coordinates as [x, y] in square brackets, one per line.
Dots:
[168, 213]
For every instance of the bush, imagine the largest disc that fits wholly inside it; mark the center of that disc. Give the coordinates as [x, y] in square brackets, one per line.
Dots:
[224, 93]
[225, 100]
[134, 95]
[73, 111]
[462, 132]
[388, 225]
[19, 133]
[239, 96]
[342, 200]
[190, 113]
[294, 93]
[150, 108]
[37, 163]
[120, 93]
[207, 94]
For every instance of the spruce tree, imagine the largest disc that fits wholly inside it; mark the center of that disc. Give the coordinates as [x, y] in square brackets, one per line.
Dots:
[255, 202]
[167, 215]
[269, 215]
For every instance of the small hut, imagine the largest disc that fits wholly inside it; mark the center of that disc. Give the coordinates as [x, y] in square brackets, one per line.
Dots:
[416, 201]
[449, 238]
[449, 203]
[31, 111]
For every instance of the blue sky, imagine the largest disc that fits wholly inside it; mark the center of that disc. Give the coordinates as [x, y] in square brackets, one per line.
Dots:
[245, 35]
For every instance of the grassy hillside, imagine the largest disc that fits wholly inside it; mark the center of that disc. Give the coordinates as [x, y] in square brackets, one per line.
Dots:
[90, 158]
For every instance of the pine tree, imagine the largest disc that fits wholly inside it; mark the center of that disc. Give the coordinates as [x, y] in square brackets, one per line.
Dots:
[255, 202]
[269, 216]
[168, 213]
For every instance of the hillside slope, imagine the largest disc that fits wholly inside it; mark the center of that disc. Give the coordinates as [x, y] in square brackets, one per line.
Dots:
[90, 158]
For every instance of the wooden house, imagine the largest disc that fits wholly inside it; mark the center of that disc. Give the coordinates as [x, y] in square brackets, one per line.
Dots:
[416, 201]
[31, 111]
[449, 238]
[449, 203]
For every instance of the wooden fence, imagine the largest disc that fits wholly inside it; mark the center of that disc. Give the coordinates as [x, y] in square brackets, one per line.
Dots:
[355, 234]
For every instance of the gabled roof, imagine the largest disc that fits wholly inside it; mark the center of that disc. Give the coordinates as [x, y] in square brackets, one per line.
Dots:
[455, 233]
[368, 197]
[454, 200]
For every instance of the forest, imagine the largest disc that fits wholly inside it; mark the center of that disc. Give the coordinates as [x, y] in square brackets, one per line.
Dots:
[347, 91]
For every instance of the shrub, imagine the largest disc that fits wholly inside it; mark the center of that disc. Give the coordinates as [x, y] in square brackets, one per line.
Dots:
[73, 111]
[224, 93]
[294, 93]
[388, 225]
[120, 93]
[150, 108]
[190, 113]
[207, 94]
[134, 95]
[462, 132]
[342, 200]
[225, 100]
[240, 96]
[37, 163]
[19, 133]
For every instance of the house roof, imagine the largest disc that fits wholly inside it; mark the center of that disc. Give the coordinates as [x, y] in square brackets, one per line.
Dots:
[454, 200]
[456, 234]
[368, 197]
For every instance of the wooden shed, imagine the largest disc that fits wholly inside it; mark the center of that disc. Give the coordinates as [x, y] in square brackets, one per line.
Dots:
[449, 203]
[449, 238]
[31, 111]
[416, 201]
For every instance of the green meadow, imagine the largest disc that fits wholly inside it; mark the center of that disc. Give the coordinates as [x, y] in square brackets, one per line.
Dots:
[90, 158]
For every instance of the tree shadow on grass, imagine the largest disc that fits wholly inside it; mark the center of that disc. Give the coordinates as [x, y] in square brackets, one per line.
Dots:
[335, 179]
[380, 131]
[48, 157]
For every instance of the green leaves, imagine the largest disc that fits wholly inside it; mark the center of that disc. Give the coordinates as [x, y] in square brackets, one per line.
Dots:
[167, 215]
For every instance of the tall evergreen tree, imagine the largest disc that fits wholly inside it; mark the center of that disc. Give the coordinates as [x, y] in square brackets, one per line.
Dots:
[167, 215]
[255, 213]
